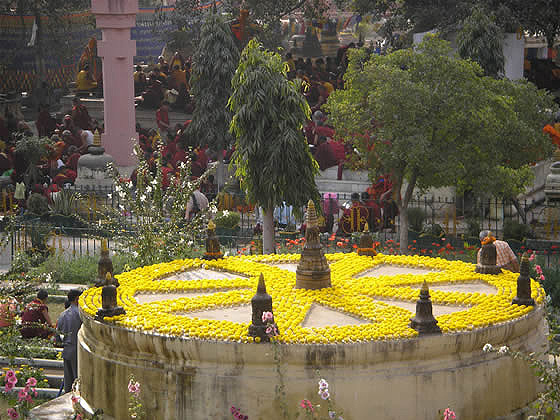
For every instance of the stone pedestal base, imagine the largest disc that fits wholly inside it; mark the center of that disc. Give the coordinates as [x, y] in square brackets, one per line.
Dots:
[488, 269]
[308, 279]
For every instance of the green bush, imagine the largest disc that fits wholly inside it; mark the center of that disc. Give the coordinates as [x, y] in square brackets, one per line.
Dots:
[79, 270]
[65, 202]
[515, 230]
[227, 219]
[473, 227]
[551, 284]
[416, 218]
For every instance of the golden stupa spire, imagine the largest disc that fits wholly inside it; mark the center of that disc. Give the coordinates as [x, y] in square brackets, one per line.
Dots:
[311, 220]
[96, 138]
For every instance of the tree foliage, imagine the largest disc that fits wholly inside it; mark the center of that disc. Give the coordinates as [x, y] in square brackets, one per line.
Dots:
[438, 121]
[264, 16]
[214, 65]
[51, 18]
[271, 155]
[481, 40]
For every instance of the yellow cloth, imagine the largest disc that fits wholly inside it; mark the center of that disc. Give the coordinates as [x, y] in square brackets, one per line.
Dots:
[83, 82]
[329, 87]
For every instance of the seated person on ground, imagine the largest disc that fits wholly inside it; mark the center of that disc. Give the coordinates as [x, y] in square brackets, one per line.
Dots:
[35, 319]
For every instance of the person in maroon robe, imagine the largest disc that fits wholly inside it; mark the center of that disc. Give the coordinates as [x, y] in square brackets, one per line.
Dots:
[80, 115]
[35, 319]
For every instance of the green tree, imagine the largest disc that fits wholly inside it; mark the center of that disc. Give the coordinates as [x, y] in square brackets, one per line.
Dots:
[271, 155]
[214, 65]
[539, 17]
[481, 40]
[439, 122]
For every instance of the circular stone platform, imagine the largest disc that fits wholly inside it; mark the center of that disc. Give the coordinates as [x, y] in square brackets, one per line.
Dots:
[185, 336]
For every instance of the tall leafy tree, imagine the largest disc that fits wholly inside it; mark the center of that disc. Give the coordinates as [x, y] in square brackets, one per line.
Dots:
[481, 40]
[214, 65]
[271, 155]
[438, 121]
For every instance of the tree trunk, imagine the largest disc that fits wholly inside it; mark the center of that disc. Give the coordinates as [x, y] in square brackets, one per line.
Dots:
[403, 229]
[402, 204]
[520, 210]
[268, 232]
[220, 170]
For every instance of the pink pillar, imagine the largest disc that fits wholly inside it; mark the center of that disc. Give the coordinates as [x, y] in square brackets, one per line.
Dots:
[115, 18]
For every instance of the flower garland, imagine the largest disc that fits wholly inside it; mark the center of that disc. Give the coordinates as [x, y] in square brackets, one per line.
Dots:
[367, 298]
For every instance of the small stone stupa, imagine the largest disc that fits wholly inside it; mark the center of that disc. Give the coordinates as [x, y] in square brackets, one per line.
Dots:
[92, 167]
[488, 255]
[424, 321]
[213, 251]
[261, 302]
[366, 246]
[313, 271]
[105, 279]
[524, 285]
[104, 266]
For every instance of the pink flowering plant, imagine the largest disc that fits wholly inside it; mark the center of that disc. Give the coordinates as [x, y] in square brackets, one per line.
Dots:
[271, 328]
[135, 407]
[78, 412]
[25, 395]
[315, 411]
[448, 414]
[237, 414]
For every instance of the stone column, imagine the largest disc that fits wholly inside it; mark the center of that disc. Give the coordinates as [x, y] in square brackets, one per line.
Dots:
[115, 18]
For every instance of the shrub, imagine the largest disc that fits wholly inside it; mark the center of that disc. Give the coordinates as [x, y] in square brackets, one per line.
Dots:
[65, 202]
[227, 219]
[473, 227]
[515, 230]
[416, 218]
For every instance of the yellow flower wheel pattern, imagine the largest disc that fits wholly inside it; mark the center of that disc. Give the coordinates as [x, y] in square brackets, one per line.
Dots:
[373, 300]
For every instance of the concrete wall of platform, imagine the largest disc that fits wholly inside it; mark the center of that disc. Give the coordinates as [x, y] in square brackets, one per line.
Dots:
[414, 378]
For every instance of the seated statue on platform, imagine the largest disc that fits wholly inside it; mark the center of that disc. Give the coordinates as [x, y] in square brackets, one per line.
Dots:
[84, 81]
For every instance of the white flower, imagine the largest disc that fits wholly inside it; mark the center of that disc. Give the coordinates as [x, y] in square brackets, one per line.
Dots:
[503, 350]
[154, 182]
[487, 348]
[547, 299]
[142, 197]
[323, 385]
[190, 243]
[148, 189]
[109, 196]
[213, 209]
[121, 207]
[117, 188]
[225, 213]
[122, 194]
[129, 184]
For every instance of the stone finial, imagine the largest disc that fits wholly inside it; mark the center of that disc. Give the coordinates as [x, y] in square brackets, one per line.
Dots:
[261, 302]
[97, 138]
[424, 321]
[211, 225]
[313, 271]
[366, 227]
[488, 255]
[524, 285]
[311, 219]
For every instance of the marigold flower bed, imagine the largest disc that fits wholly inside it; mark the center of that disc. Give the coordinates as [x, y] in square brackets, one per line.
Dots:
[358, 297]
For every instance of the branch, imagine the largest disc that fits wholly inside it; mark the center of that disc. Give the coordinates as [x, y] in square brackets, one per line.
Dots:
[297, 6]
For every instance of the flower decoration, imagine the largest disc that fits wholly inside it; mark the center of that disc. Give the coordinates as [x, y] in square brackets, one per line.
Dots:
[368, 298]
